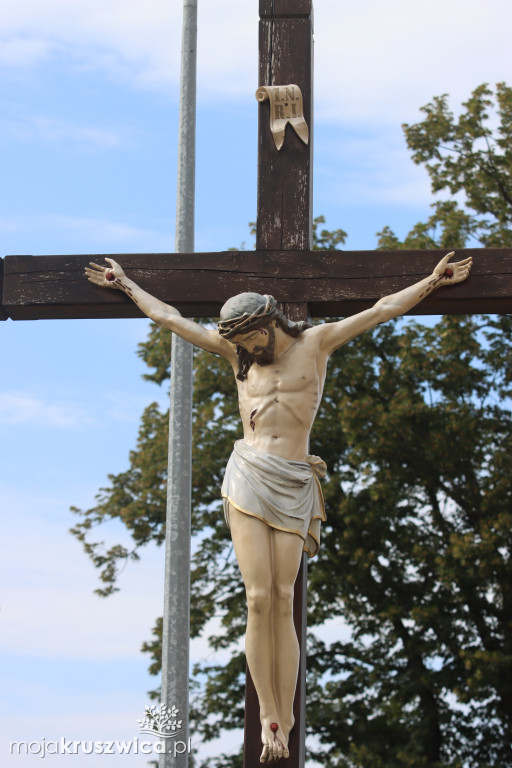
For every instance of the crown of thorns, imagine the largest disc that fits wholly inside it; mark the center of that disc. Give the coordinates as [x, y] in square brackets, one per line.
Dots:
[246, 322]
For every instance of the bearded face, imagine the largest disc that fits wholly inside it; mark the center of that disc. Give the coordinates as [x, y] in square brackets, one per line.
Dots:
[264, 355]
[255, 346]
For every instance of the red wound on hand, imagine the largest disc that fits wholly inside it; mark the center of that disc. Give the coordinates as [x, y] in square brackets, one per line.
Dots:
[110, 276]
[448, 272]
[274, 727]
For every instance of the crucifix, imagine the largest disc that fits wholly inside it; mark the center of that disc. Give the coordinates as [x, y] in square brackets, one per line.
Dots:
[306, 283]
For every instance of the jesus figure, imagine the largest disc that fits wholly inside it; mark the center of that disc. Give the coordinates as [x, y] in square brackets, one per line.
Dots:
[271, 493]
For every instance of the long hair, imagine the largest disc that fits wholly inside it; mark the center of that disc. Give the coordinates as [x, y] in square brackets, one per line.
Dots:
[294, 329]
[246, 311]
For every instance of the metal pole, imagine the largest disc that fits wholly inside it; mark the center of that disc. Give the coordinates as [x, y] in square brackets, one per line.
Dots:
[176, 622]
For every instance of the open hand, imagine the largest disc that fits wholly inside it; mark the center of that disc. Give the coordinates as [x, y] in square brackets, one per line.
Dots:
[106, 277]
[455, 272]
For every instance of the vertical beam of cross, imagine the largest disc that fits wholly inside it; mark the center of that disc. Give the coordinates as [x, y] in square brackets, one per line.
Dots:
[284, 223]
[176, 620]
[285, 184]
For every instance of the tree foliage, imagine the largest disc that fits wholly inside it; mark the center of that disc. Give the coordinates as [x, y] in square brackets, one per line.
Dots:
[471, 157]
[417, 550]
[416, 560]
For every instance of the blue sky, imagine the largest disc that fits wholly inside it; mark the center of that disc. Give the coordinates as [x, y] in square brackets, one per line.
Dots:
[88, 141]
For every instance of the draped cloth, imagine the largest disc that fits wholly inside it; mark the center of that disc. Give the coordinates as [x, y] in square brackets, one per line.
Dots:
[286, 495]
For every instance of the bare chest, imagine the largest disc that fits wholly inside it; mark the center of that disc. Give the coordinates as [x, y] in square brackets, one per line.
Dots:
[296, 372]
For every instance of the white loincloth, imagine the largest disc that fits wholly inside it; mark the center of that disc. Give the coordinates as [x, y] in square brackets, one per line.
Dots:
[285, 495]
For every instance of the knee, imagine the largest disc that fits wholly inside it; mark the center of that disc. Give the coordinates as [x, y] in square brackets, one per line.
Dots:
[259, 600]
[283, 595]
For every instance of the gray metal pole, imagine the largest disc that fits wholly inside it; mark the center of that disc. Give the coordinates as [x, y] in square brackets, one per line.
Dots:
[176, 623]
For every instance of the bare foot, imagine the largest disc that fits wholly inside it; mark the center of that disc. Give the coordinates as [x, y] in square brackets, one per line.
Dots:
[275, 745]
[287, 729]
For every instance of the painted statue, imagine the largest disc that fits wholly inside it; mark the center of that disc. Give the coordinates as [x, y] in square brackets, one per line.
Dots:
[271, 492]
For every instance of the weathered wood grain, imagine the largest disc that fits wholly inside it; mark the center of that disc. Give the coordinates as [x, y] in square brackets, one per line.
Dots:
[287, 8]
[3, 313]
[331, 283]
[285, 184]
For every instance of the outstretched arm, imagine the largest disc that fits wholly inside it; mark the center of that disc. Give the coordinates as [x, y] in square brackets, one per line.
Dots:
[113, 277]
[334, 335]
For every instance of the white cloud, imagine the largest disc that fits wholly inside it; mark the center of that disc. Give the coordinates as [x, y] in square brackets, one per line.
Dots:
[50, 129]
[19, 125]
[18, 408]
[141, 42]
[20, 52]
[382, 61]
[373, 60]
[48, 608]
[27, 408]
[107, 715]
[102, 230]
[125, 407]
[90, 232]
[333, 631]
[128, 31]
[74, 623]
[376, 169]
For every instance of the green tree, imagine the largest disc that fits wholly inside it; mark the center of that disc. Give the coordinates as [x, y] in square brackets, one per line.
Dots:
[415, 426]
[417, 551]
[470, 156]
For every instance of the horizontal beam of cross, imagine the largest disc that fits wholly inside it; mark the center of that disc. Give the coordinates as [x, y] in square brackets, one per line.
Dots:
[332, 283]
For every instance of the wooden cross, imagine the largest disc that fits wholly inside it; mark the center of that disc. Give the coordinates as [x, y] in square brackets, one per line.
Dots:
[335, 283]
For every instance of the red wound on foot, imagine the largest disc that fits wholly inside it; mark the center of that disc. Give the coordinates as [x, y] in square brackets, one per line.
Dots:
[448, 272]
[274, 727]
[110, 276]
